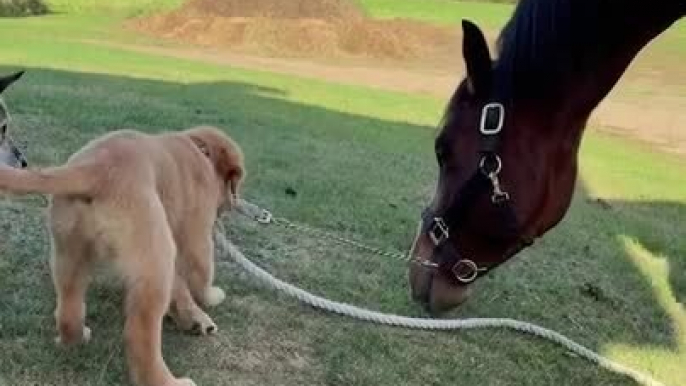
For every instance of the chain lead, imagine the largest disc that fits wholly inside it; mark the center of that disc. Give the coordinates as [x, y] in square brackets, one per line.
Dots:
[263, 216]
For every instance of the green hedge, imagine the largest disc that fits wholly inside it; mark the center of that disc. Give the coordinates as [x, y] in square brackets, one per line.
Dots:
[11, 8]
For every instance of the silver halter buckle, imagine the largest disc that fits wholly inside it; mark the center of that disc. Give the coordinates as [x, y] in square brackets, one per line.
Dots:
[439, 231]
[500, 110]
[465, 271]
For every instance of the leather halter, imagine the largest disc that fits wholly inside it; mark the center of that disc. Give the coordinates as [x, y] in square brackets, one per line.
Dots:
[439, 227]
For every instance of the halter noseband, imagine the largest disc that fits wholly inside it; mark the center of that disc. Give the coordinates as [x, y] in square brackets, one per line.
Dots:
[438, 226]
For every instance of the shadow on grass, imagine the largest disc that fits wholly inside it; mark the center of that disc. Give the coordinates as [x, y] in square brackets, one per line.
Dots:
[354, 175]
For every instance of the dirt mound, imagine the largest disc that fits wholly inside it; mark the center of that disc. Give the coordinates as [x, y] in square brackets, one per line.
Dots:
[279, 9]
[301, 28]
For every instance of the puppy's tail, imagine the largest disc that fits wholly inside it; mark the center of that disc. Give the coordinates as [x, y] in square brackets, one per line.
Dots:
[78, 180]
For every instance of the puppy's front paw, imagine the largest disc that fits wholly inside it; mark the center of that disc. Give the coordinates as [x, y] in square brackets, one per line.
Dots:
[195, 321]
[203, 325]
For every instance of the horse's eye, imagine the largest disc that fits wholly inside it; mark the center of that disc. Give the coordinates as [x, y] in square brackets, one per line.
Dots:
[440, 157]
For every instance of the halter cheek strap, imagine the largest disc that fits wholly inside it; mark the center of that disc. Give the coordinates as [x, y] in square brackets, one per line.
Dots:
[440, 226]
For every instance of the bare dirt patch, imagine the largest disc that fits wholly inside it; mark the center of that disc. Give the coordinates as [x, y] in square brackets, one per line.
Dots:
[291, 9]
[299, 28]
[644, 108]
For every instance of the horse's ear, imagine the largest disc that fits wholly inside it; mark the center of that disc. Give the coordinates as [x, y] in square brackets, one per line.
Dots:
[477, 59]
[5, 81]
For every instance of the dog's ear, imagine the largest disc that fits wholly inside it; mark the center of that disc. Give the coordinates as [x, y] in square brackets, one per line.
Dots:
[230, 168]
[7, 80]
[228, 164]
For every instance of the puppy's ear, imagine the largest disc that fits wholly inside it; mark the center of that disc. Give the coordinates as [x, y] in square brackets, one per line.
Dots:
[235, 182]
[230, 168]
[228, 164]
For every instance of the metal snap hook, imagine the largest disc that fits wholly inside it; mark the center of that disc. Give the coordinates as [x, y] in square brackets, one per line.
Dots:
[498, 195]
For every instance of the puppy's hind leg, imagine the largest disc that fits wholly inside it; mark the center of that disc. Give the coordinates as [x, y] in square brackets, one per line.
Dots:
[147, 258]
[70, 266]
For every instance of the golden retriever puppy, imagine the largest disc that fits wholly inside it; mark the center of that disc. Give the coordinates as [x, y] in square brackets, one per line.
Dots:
[147, 204]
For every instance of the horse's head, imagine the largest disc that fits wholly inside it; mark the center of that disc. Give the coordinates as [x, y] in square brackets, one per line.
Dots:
[503, 180]
[9, 152]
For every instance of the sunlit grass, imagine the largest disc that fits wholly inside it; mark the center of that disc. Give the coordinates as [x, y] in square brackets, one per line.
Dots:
[361, 164]
[666, 361]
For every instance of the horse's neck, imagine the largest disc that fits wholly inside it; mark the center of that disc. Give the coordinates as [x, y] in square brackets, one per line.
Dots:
[619, 48]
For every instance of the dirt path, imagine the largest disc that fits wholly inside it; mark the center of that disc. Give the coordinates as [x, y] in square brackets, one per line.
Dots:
[439, 82]
[644, 107]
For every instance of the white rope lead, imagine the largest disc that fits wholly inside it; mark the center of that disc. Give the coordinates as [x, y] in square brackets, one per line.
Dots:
[428, 324]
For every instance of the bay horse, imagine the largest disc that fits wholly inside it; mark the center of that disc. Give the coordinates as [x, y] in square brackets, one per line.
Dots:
[507, 149]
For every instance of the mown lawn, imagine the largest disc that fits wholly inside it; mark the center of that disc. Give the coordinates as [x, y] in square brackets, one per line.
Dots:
[612, 276]
[489, 15]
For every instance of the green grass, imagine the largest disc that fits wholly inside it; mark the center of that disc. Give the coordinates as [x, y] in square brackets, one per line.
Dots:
[488, 15]
[118, 7]
[360, 161]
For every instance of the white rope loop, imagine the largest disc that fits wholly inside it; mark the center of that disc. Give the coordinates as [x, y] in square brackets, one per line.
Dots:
[416, 323]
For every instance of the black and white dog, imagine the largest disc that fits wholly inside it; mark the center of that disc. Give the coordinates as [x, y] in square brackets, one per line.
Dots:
[9, 153]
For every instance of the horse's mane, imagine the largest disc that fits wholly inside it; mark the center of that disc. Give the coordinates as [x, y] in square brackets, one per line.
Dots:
[549, 45]
[537, 49]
